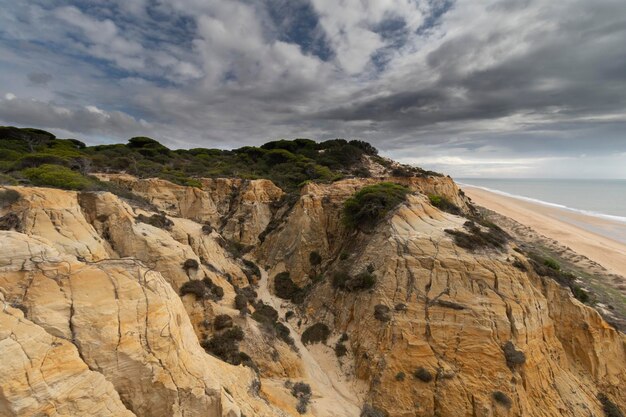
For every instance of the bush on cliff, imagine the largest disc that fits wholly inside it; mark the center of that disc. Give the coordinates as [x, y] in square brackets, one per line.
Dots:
[286, 289]
[226, 345]
[423, 374]
[362, 281]
[502, 398]
[513, 356]
[609, 407]
[317, 333]
[372, 203]
[444, 204]
[58, 176]
[288, 163]
[8, 197]
[475, 237]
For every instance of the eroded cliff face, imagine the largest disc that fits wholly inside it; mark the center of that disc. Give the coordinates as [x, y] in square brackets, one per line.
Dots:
[446, 314]
[239, 209]
[93, 318]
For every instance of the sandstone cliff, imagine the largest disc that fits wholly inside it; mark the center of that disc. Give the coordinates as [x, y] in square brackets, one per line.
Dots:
[93, 318]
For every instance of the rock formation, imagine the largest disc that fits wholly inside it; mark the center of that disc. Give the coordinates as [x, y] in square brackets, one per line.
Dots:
[107, 305]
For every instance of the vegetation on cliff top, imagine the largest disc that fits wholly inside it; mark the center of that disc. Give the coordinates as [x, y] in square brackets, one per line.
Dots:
[370, 204]
[32, 156]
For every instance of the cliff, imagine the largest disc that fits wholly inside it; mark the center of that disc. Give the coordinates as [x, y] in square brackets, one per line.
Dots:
[124, 308]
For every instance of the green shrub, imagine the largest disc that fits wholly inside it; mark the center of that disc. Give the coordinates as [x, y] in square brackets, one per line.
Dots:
[609, 407]
[502, 398]
[222, 321]
[444, 204]
[286, 289]
[251, 270]
[477, 238]
[363, 281]
[217, 292]
[195, 287]
[401, 307]
[580, 294]
[8, 197]
[241, 302]
[549, 267]
[57, 176]
[7, 179]
[283, 333]
[303, 393]
[157, 220]
[400, 376]
[264, 313]
[372, 203]
[190, 264]
[202, 289]
[423, 374]
[38, 159]
[315, 258]
[382, 313]
[371, 411]
[513, 356]
[552, 264]
[226, 346]
[317, 333]
[340, 350]
[10, 222]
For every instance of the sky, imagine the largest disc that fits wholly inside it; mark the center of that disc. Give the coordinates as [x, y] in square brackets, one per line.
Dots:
[471, 88]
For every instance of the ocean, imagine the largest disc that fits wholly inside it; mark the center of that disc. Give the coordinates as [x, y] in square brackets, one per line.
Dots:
[598, 198]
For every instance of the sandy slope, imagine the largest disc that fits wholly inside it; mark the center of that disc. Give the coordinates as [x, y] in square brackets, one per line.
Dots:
[569, 228]
[333, 395]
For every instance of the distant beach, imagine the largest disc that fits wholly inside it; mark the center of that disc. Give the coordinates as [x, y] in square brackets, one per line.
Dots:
[601, 238]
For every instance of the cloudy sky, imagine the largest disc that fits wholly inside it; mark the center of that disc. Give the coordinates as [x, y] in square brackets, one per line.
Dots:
[493, 88]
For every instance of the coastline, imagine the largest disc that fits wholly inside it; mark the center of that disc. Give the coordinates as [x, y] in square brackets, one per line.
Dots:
[599, 239]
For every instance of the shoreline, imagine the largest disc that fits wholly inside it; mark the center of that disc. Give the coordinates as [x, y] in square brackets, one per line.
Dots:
[600, 239]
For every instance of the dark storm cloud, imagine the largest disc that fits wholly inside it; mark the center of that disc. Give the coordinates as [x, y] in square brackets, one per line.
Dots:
[504, 81]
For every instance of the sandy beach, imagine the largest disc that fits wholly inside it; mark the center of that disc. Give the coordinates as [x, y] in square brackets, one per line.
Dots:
[596, 238]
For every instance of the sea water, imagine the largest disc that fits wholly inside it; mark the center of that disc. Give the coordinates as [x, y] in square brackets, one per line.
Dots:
[599, 198]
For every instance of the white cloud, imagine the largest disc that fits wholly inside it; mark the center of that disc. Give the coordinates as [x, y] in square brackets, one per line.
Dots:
[89, 120]
[494, 86]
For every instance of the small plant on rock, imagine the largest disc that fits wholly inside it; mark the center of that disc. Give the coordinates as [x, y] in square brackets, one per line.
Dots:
[194, 287]
[609, 407]
[513, 356]
[372, 203]
[423, 374]
[502, 398]
[303, 393]
[317, 333]
[190, 264]
[223, 321]
[315, 258]
[382, 313]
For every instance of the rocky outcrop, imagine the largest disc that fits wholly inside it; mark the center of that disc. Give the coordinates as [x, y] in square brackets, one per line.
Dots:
[314, 224]
[121, 320]
[93, 317]
[44, 375]
[453, 314]
[239, 209]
